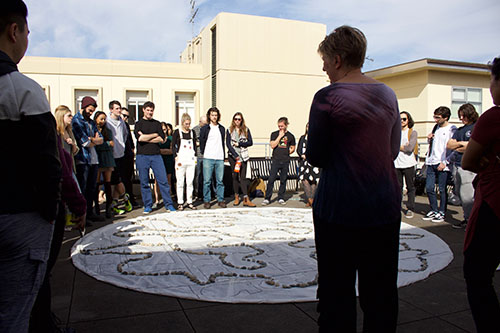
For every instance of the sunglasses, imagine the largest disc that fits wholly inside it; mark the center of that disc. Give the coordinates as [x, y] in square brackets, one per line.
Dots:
[404, 119]
[237, 119]
[124, 115]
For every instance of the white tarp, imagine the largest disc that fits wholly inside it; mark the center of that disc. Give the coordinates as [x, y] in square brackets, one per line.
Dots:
[256, 255]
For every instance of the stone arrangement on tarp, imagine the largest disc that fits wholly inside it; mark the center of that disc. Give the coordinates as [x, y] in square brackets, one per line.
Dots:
[263, 255]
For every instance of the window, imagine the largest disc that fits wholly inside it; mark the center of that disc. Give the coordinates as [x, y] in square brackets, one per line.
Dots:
[461, 96]
[135, 101]
[80, 94]
[184, 103]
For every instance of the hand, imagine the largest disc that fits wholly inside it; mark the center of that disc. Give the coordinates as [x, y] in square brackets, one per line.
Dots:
[441, 166]
[303, 157]
[111, 144]
[430, 137]
[69, 141]
[79, 221]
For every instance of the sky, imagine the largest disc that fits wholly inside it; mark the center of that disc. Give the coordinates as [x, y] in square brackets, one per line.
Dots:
[397, 31]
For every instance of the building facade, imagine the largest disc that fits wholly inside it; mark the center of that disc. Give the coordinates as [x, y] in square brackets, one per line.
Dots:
[264, 67]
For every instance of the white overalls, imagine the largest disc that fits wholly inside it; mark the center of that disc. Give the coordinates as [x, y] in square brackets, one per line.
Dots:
[185, 164]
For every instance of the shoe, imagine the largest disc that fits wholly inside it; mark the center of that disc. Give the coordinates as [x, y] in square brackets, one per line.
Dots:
[460, 225]
[409, 214]
[128, 204]
[180, 207]
[155, 205]
[222, 204]
[190, 206]
[247, 202]
[265, 202]
[118, 211]
[236, 200]
[170, 208]
[429, 216]
[438, 218]
[206, 205]
[147, 210]
[282, 202]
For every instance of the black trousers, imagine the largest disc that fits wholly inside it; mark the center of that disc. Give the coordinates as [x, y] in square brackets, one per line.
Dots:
[280, 167]
[371, 252]
[239, 178]
[409, 175]
[481, 260]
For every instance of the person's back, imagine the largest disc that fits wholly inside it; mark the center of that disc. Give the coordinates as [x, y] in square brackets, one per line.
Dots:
[30, 175]
[359, 125]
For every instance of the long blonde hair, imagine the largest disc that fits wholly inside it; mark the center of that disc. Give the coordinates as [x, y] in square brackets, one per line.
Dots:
[59, 114]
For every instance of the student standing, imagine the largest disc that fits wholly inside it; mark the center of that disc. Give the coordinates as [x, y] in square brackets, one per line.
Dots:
[149, 135]
[183, 146]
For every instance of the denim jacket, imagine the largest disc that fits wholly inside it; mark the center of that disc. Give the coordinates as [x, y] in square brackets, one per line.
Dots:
[82, 130]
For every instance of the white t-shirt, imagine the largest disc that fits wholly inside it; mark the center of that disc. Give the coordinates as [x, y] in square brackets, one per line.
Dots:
[213, 147]
[119, 133]
[439, 151]
[405, 160]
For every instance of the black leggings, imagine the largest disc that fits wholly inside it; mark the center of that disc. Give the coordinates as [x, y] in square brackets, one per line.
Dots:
[239, 178]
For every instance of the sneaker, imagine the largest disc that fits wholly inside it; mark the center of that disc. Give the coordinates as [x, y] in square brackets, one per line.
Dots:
[438, 218]
[282, 202]
[170, 208]
[147, 210]
[265, 202]
[155, 205]
[460, 225]
[118, 211]
[429, 216]
[409, 214]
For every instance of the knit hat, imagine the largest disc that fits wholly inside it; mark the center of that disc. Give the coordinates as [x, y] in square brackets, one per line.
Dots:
[87, 100]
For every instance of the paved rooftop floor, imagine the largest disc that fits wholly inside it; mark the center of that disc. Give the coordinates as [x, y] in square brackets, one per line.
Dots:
[436, 304]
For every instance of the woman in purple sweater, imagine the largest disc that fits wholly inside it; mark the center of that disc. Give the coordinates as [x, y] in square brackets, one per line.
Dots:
[354, 136]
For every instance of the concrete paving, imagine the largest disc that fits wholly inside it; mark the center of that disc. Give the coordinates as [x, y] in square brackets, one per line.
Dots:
[436, 304]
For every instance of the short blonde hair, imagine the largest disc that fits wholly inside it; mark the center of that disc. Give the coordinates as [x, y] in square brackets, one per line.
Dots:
[184, 117]
[347, 42]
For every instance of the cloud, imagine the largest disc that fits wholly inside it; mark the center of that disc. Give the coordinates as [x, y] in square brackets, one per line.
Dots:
[400, 31]
[397, 30]
[113, 29]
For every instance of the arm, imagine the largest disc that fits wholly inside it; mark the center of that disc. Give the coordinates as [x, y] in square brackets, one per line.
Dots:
[275, 143]
[410, 146]
[249, 141]
[291, 150]
[229, 145]
[473, 159]
[320, 131]
[174, 145]
[300, 150]
[396, 136]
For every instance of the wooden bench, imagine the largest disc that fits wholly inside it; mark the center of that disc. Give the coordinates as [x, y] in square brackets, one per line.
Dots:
[261, 168]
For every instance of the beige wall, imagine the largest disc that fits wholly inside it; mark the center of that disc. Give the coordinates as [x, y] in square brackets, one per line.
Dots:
[113, 78]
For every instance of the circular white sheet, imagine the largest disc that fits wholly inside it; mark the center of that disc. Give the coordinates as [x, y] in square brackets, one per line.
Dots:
[259, 255]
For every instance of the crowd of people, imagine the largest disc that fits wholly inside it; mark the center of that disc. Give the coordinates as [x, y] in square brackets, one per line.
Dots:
[58, 168]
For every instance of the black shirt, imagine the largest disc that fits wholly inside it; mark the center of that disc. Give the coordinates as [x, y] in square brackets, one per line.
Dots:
[148, 127]
[282, 151]
[461, 134]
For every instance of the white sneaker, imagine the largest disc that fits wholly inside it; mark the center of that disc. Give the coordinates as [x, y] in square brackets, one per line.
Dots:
[282, 202]
[438, 218]
[429, 216]
[265, 202]
[409, 214]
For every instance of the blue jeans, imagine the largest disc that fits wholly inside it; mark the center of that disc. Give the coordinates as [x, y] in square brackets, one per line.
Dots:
[430, 185]
[209, 165]
[155, 162]
[282, 168]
